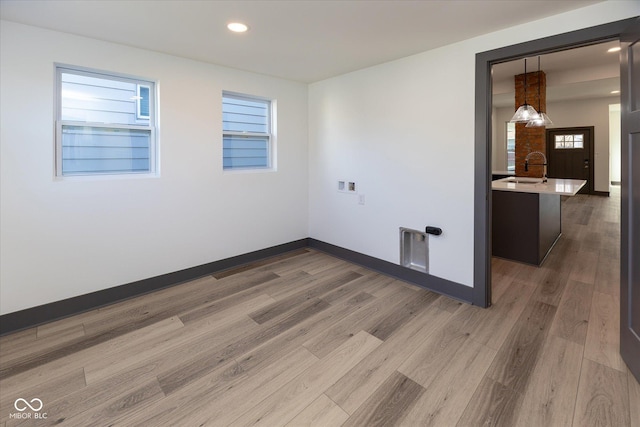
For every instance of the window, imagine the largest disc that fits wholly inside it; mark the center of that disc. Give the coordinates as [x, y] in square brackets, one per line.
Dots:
[563, 142]
[511, 146]
[246, 127]
[105, 123]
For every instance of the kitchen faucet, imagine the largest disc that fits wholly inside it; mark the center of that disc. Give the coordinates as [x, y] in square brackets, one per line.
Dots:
[527, 164]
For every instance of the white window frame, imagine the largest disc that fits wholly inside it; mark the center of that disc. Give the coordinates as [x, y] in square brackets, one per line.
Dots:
[270, 135]
[506, 145]
[59, 123]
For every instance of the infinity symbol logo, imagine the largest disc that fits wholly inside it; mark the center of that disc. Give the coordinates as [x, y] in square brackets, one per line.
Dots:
[22, 408]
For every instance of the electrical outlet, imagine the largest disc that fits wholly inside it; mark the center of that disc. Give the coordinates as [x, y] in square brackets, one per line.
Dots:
[361, 199]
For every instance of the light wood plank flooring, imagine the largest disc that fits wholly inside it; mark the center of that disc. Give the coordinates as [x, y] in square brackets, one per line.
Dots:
[305, 339]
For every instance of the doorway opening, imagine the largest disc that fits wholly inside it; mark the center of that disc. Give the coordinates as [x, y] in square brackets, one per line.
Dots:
[483, 150]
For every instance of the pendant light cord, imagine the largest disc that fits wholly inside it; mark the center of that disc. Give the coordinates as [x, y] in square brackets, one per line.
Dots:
[525, 81]
[539, 110]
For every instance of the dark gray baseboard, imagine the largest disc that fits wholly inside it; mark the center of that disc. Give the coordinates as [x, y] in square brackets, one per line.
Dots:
[426, 281]
[616, 183]
[600, 193]
[31, 317]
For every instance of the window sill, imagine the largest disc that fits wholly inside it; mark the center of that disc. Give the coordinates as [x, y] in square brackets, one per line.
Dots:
[107, 177]
[248, 171]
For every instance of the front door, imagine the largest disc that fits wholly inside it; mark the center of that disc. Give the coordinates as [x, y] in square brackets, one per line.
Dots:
[569, 154]
[630, 212]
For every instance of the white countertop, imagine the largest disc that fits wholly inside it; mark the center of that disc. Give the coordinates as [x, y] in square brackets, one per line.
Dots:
[563, 187]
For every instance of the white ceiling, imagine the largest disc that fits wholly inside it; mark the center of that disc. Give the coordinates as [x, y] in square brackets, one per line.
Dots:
[581, 73]
[304, 41]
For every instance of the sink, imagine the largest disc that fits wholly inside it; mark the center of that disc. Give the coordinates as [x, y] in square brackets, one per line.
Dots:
[522, 180]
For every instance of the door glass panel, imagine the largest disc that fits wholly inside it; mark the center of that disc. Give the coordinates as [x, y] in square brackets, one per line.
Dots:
[569, 141]
[578, 141]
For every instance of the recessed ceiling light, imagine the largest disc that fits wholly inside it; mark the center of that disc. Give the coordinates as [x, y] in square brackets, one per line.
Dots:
[614, 49]
[615, 91]
[237, 27]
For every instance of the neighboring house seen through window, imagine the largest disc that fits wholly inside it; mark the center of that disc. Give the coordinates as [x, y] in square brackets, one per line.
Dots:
[247, 132]
[105, 123]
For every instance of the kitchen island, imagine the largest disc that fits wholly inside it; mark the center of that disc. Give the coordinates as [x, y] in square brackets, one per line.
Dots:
[527, 216]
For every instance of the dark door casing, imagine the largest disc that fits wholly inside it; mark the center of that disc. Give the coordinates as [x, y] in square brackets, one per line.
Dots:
[630, 203]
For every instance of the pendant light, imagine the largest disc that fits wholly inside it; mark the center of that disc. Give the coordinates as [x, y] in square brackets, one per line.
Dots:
[541, 119]
[525, 112]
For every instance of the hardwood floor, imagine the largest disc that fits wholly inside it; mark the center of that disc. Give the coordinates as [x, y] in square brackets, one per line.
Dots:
[305, 339]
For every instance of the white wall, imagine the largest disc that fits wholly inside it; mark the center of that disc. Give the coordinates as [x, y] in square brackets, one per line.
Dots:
[588, 112]
[404, 131]
[583, 112]
[62, 238]
[392, 129]
[614, 143]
